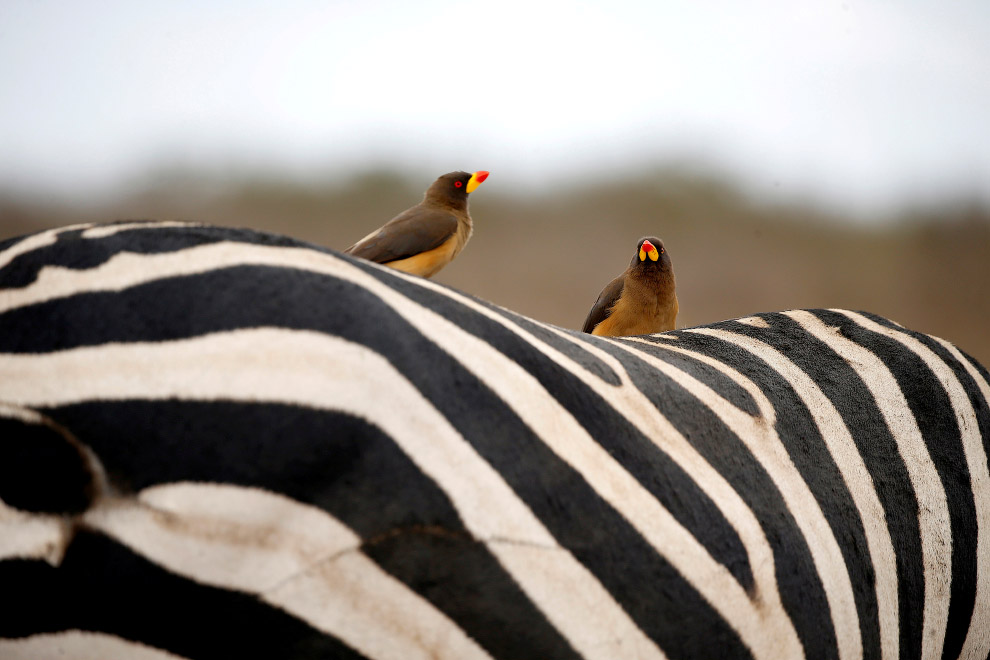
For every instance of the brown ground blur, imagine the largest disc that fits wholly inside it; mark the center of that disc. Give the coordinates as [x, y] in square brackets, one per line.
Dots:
[548, 256]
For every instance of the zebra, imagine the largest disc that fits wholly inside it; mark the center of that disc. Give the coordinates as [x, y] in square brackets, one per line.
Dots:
[224, 443]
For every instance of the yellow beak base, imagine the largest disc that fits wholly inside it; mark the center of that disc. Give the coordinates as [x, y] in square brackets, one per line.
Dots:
[642, 254]
[473, 183]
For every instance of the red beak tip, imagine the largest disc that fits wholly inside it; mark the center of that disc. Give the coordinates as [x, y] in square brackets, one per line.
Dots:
[648, 247]
[482, 175]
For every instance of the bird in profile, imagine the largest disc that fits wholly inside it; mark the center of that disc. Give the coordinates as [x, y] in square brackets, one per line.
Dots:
[423, 239]
[641, 300]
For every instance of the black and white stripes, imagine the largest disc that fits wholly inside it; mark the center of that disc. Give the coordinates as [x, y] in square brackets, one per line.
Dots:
[276, 450]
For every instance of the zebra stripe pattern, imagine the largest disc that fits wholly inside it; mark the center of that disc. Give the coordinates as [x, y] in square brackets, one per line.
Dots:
[221, 443]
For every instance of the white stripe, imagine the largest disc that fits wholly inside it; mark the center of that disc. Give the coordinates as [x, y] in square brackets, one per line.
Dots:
[34, 242]
[32, 535]
[309, 368]
[23, 414]
[754, 321]
[103, 231]
[856, 477]
[127, 269]
[933, 510]
[294, 556]
[977, 643]
[760, 437]
[78, 645]
[231, 536]
[89, 230]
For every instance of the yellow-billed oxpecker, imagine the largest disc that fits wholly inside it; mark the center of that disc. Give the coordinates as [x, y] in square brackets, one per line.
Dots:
[639, 301]
[423, 239]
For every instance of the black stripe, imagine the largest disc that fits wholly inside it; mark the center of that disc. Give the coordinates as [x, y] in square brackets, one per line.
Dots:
[932, 410]
[102, 586]
[335, 461]
[43, 469]
[8, 243]
[456, 573]
[183, 307]
[806, 448]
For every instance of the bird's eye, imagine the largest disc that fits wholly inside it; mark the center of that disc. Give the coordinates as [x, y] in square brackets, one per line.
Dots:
[662, 250]
[458, 184]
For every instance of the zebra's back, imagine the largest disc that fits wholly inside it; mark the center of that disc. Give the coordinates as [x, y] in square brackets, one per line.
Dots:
[222, 443]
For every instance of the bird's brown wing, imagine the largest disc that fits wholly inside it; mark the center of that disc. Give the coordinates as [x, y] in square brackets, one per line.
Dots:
[603, 306]
[411, 232]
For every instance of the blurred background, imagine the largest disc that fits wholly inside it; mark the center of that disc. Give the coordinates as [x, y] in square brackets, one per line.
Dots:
[815, 154]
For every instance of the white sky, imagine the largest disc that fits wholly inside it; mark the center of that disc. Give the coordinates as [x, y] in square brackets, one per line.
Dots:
[859, 104]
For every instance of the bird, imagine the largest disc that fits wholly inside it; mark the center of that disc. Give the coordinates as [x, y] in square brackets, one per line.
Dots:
[424, 238]
[642, 300]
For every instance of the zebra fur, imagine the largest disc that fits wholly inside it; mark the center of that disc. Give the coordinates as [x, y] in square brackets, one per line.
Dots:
[222, 443]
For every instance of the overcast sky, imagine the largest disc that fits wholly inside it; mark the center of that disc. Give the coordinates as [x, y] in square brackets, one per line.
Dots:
[860, 104]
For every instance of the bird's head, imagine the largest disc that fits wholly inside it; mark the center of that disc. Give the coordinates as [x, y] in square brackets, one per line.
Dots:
[650, 254]
[453, 188]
